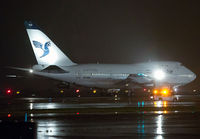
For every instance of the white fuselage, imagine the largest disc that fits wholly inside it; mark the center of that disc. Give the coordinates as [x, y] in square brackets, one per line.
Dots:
[110, 75]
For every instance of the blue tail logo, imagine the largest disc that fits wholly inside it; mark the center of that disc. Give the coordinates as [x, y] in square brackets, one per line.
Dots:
[44, 48]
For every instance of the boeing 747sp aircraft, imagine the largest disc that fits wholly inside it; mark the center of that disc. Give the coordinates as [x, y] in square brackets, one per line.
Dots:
[53, 63]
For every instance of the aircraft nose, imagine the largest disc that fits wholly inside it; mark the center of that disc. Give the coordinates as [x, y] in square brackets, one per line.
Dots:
[192, 76]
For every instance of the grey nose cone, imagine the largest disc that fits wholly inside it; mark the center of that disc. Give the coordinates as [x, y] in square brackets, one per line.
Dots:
[193, 76]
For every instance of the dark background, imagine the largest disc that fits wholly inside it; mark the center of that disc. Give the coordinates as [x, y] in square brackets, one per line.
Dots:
[104, 31]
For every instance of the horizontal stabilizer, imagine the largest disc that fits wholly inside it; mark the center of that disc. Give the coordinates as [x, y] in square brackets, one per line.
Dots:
[54, 69]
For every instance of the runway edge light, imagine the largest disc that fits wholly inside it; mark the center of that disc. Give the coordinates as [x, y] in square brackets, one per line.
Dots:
[8, 91]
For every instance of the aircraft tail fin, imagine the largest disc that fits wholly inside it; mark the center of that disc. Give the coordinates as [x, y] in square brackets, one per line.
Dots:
[46, 52]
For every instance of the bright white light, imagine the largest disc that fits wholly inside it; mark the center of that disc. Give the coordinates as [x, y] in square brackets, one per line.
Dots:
[158, 104]
[159, 125]
[159, 75]
[31, 106]
[159, 137]
[31, 71]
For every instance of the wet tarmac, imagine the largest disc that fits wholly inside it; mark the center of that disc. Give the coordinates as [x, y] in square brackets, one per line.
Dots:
[105, 117]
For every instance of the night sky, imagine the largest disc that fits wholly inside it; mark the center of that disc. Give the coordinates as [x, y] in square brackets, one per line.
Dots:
[105, 31]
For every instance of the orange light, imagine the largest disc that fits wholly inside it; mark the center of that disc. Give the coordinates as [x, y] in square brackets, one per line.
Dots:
[165, 103]
[165, 91]
[77, 91]
[155, 91]
[165, 112]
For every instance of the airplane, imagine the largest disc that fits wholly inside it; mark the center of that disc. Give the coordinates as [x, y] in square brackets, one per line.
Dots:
[53, 63]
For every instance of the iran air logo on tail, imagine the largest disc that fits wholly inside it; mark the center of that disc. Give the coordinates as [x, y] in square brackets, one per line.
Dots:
[43, 47]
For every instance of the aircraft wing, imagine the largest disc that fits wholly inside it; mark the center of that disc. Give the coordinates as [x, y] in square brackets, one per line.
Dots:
[137, 80]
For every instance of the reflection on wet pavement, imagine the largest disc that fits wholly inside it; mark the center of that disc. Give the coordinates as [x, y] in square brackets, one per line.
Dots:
[160, 104]
[156, 126]
[148, 122]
